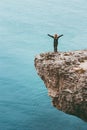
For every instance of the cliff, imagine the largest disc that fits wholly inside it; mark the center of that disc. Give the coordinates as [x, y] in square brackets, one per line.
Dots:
[65, 76]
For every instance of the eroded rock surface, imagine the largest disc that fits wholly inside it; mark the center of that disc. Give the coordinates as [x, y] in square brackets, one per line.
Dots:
[65, 76]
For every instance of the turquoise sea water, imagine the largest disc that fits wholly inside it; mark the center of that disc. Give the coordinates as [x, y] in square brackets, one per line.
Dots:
[24, 25]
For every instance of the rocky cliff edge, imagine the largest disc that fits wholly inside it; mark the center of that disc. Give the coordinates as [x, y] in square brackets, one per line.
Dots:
[65, 76]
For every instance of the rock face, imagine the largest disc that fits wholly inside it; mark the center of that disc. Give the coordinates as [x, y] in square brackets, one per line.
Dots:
[65, 76]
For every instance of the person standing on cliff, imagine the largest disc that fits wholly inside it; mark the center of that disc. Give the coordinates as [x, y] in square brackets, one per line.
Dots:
[55, 37]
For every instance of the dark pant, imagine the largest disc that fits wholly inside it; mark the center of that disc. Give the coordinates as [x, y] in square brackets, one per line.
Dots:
[55, 47]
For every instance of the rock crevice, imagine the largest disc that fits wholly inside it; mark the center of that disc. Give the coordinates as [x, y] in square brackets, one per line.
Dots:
[65, 76]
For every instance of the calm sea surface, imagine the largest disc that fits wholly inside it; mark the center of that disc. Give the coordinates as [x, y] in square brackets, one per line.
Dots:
[24, 25]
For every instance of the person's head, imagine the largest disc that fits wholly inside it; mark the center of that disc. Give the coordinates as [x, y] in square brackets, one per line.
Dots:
[55, 36]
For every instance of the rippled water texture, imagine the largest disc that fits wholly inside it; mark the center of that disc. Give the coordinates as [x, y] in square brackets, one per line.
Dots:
[24, 25]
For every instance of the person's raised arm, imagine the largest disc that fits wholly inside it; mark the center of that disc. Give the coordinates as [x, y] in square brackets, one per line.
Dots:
[60, 36]
[50, 36]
